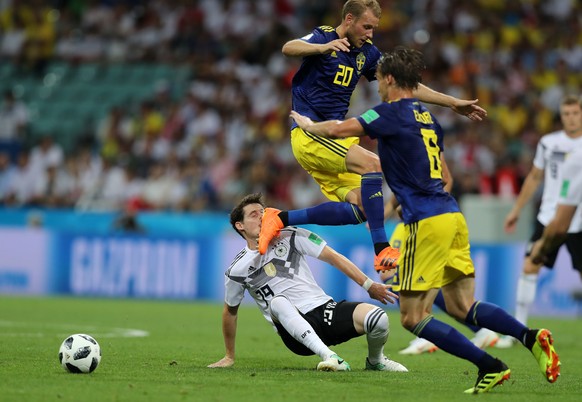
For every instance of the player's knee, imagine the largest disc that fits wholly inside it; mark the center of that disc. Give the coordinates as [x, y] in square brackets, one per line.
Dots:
[408, 322]
[372, 164]
[359, 213]
[377, 323]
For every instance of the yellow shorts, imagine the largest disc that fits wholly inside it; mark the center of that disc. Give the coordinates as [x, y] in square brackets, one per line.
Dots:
[435, 253]
[325, 160]
[398, 236]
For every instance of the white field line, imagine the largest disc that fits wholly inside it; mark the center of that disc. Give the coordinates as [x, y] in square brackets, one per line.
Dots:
[31, 330]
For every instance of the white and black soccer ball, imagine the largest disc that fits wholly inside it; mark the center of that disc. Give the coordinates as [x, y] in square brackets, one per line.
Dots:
[80, 353]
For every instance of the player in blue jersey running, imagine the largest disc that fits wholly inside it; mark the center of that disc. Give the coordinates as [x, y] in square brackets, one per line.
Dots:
[436, 252]
[334, 60]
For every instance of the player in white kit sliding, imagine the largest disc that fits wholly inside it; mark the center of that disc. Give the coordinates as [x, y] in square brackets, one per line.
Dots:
[307, 319]
[552, 151]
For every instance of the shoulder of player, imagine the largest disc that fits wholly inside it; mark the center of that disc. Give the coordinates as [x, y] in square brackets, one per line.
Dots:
[552, 137]
[371, 51]
[238, 261]
[558, 140]
[297, 231]
[381, 112]
[301, 234]
[370, 45]
[325, 29]
[290, 230]
[398, 104]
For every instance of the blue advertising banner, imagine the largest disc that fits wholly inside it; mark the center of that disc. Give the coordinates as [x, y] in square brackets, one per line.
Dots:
[133, 266]
[88, 260]
[24, 261]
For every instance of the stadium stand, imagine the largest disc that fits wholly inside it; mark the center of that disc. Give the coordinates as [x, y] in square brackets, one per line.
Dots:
[203, 92]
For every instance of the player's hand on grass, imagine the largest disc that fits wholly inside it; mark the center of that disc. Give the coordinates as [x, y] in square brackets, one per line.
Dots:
[224, 362]
[470, 109]
[302, 121]
[382, 293]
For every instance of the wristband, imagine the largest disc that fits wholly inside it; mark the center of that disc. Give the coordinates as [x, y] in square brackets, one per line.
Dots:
[367, 284]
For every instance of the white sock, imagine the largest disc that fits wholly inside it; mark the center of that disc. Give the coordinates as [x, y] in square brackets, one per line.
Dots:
[526, 294]
[298, 327]
[377, 329]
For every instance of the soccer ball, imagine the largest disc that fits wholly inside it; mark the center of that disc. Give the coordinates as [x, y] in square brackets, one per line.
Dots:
[80, 353]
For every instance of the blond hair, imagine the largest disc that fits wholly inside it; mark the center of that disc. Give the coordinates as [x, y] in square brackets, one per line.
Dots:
[358, 7]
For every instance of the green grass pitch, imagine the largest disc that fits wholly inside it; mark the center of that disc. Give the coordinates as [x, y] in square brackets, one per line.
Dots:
[169, 364]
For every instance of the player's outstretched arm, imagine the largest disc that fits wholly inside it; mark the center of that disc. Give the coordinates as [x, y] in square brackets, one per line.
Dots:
[463, 107]
[330, 128]
[229, 320]
[377, 291]
[301, 48]
[530, 186]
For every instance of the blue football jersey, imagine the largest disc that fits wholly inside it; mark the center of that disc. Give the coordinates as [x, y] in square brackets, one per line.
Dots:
[323, 85]
[410, 141]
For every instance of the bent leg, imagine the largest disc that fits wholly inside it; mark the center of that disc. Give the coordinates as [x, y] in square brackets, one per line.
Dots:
[327, 214]
[415, 316]
[367, 164]
[373, 321]
[461, 304]
[285, 314]
[325, 161]
[440, 303]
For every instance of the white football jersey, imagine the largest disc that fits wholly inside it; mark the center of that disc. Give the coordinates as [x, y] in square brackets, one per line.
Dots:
[571, 191]
[551, 152]
[282, 270]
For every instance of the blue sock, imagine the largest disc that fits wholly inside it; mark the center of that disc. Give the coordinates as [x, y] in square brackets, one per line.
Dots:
[327, 214]
[452, 341]
[440, 303]
[493, 317]
[373, 203]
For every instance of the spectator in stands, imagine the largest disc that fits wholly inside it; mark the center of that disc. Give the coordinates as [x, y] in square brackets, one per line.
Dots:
[46, 154]
[113, 133]
[200, 194]
[7, 172]
[40, 37]
[13, 124]
[13, 36]
[27, 184]
[240, 81]
[56, 188]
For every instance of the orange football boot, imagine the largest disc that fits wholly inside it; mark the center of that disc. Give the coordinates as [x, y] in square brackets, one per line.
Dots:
[271, 225]
[387, 259]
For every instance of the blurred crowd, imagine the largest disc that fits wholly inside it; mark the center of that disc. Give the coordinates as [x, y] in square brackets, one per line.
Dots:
[202, 147]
